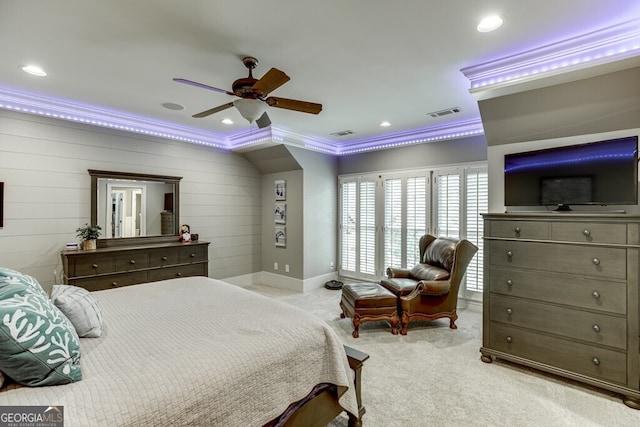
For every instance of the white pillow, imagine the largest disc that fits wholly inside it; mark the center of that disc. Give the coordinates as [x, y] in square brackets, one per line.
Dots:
[80, 307]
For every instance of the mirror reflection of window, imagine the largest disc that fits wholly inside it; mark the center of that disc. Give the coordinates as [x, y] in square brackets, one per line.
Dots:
[127, 210]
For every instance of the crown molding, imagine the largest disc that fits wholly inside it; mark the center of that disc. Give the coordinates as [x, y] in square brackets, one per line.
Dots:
[598, 52]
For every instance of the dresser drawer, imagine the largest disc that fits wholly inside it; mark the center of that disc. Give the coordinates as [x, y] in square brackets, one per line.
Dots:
[195, 253]
[134, 260]
[572, 356]
[519, 230]
[178, 271]
[90, 265]
[109, 282]
[595, 261]
[587, 326]
[601, 295]
[589, 232]
[163, 257]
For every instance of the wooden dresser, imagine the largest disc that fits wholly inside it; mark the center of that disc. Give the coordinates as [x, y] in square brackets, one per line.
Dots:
[561, 295]
[109, 267]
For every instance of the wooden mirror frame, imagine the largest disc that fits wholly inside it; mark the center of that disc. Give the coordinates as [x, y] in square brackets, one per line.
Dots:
[120, 241]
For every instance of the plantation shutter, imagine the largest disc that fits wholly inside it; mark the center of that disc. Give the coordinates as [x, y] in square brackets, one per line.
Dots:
[367, 240]
[348, 227]
[393, 223]
[477, 197]
[448, 201]
[417, 197]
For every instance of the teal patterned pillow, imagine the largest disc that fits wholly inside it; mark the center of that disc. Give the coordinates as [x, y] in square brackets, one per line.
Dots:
[8, 275]
[38, 344]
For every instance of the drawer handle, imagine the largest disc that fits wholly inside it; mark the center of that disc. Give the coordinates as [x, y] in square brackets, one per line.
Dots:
[192, 255]
[95, 266]
[595, 361]
[178, 274]
[586, 233]
[133, 261]
[517, 230]
[595, 295]
[509, 282]
[509, 340]
[164, 258]
[509, 254]
[595, 261]
[595, 328]
[509, 311]
[114, 283]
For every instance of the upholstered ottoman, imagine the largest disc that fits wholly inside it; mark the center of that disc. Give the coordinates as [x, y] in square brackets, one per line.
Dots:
[367, 302]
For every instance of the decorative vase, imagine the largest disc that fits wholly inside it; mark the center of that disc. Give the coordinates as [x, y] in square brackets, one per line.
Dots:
[89, 245]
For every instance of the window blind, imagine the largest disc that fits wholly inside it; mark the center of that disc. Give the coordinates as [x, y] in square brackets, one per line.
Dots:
[448, 212]
[393, 222]
[416, 217]
[477, 202]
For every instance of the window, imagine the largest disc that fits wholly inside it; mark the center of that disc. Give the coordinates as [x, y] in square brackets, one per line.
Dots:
[405, 218]
[393, 222]
[448, 203]
[417, 216]
[477, 191]
[444, 202]
[358, 227]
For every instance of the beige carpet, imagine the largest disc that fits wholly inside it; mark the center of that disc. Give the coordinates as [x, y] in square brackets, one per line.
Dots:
[434, 377]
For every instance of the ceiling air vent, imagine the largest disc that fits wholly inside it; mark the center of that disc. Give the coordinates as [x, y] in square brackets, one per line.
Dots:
[343, 133]
[446, 112]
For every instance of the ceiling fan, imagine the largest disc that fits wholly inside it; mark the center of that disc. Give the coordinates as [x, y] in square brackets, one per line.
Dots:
[253, 101]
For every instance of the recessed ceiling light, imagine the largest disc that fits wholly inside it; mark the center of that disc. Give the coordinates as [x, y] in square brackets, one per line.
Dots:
[227, 121]
[490, 23]
[34, 70]
[385, 124]
[172, 106]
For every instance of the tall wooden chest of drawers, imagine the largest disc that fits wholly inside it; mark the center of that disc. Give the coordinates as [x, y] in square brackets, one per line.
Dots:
[561, 295]
[109, 267]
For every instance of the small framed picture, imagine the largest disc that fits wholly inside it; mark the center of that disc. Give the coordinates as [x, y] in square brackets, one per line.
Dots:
[280, 236]
[280, 213]
[280, 189]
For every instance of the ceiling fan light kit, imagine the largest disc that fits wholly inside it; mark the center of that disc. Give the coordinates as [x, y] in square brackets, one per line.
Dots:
[252, 92]
[250, 109]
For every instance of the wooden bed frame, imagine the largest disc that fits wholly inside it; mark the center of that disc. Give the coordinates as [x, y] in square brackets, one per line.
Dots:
[324, 407]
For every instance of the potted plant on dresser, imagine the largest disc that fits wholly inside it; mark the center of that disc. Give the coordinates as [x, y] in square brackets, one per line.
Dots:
[88, 234]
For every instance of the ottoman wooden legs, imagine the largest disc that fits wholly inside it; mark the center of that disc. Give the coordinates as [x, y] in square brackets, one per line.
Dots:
[368, 302]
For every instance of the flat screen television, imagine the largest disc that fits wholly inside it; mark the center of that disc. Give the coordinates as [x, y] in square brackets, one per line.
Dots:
[596, 173]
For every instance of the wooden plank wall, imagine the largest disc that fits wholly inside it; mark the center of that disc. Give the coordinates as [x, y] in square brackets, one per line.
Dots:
[44, 163]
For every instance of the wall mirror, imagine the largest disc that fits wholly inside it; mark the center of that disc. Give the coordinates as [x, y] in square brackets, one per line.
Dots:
[128, 205]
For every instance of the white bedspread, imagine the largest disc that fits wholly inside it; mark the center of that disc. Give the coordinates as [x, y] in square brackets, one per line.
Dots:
[198, 352]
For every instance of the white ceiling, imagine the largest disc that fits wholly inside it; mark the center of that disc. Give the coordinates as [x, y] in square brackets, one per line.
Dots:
[366, 61]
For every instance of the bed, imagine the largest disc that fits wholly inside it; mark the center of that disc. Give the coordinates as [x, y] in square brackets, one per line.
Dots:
[200, 352]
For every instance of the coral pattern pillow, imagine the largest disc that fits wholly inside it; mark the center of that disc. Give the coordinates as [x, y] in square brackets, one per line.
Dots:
[80, 307]
[38, 344]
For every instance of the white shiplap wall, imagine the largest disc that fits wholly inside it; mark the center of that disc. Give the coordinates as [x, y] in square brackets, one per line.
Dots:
[44, 162]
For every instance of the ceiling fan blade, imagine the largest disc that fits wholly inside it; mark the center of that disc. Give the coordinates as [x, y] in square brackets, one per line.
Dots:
[271, 81]
[213, 110]
[293, 104]
[263, 121]
[196, 84]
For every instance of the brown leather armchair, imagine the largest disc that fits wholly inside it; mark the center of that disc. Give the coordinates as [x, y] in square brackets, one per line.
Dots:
[429, 290]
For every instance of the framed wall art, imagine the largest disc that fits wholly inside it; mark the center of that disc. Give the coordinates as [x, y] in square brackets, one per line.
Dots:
[280, 213]
[280, 236]
[280, 189]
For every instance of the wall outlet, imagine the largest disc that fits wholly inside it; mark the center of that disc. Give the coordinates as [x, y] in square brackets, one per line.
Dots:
[286, 268]
[275, 265]
[331, 266]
